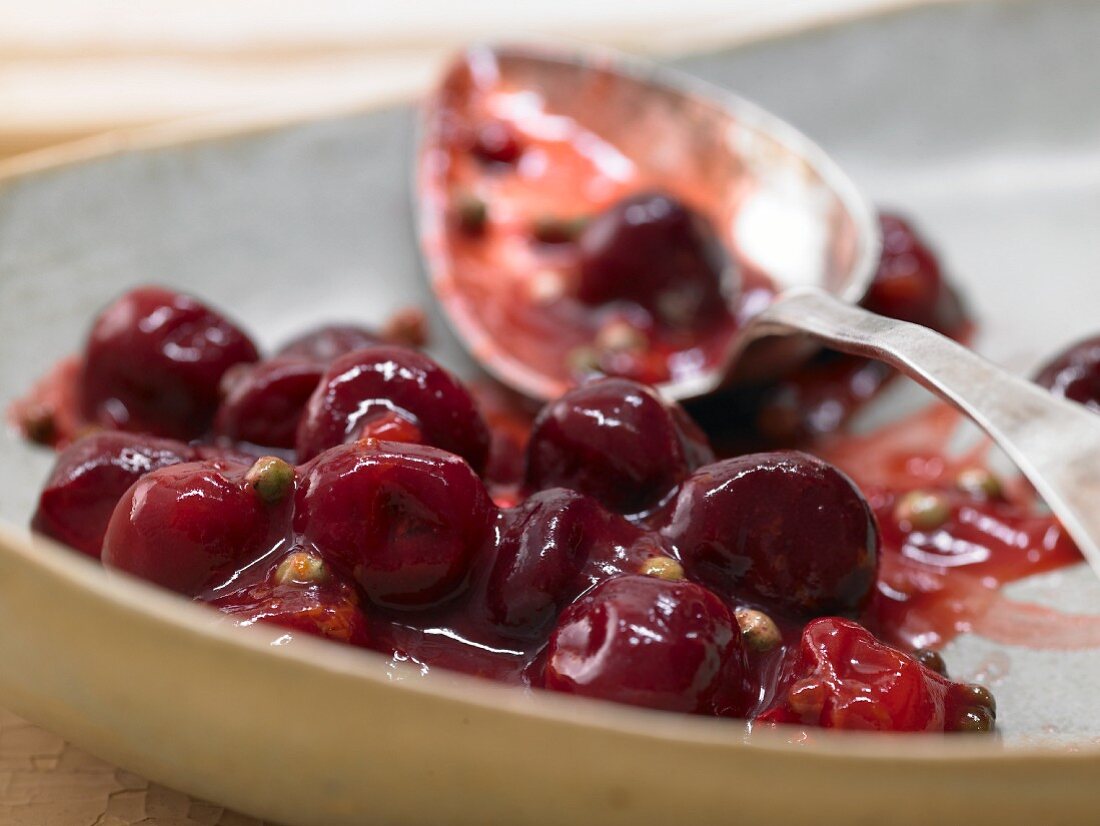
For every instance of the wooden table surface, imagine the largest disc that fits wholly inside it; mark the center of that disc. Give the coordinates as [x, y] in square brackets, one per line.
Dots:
[70, 69]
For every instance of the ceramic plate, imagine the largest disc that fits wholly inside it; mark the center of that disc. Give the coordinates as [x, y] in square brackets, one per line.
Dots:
[981, 120]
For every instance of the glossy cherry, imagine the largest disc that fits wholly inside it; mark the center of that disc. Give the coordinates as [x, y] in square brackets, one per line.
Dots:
[327, 343]
[784, 527]
[908, 284]
[381, 381]
[542, 550]
[842, 677]
[263, 403]
[615, 440]
[1074, 373]
[404, 520]
[646, 642]
[497, 142]
[654, 250]
[154, 361]
[88, 479]
[185, 525]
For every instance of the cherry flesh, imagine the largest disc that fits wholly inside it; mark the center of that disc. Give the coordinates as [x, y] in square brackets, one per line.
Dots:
[154, 362]
[615, 440]
[89, 478]
[655, 251]
[321, 603]
[380, 382]
[784, 527]
[646, 642]
[403, 520]
[842, 677]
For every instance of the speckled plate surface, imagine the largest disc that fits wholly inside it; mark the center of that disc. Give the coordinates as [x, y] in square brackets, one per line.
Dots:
[982, 120]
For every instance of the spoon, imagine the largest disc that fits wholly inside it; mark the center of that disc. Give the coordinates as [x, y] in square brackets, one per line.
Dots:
[791, 211]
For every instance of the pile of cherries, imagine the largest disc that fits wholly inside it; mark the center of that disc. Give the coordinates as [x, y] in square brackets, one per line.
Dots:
[345, 487]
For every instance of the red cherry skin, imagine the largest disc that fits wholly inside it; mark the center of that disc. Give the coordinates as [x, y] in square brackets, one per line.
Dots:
[327, 343]
[184, 526]
[403, 520]
[543, 547]
[784, 528]
[264, 403]
[646, 642]
[88, 479]
[1074, 374]
[654, 250]
[154, 361]
[908, 284]
[617, 441]
[381, 381]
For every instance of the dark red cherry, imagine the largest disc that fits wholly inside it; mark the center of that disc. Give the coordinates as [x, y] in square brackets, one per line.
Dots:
[264, 402]
[615, 440]
[655, 251]
[302, 595]
[154, 361]
[326, 344]
[647, 642]
[497, 142]
[543, 547]
[842, 677]
[908, 284]
[783, 527]
[404, 520]
[1074, 374]
[381, 381]
[89, 478]
[185, 525]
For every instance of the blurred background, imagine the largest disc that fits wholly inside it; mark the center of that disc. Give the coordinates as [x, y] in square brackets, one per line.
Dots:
[70, 69]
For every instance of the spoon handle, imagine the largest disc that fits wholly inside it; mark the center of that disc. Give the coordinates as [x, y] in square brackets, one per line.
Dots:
[1055, 443]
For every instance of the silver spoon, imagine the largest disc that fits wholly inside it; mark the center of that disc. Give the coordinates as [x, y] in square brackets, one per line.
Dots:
[793, 212]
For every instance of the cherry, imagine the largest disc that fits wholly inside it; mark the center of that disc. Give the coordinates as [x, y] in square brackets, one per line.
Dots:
[497, 142]
[783, 527]
[908, 283]
[301, 595]
[654, 250]
[647, 642]
[404, 520]
[1074, 374]
[88, 479]
[543, 547]
[264, 402]
[615, 440]
[842, 677]
[184, 525]
[153, 363]
[379, 381]
[326, 344]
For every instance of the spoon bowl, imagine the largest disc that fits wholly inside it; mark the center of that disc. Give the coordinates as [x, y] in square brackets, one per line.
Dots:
[778, 202]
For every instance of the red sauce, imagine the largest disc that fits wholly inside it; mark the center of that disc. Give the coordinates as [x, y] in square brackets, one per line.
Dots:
[936, 584]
